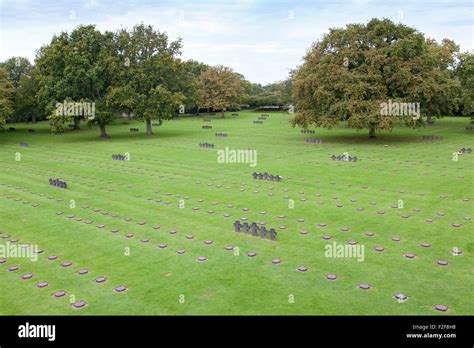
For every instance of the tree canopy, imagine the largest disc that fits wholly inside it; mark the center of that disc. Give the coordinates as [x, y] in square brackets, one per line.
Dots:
[6, 91]
[220, 88]
[352, 71]
[345, 77]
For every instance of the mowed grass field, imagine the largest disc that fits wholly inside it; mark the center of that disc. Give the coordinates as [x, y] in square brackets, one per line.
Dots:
[170, 166]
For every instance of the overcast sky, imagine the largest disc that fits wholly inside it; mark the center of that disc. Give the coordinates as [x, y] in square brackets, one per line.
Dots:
[261, 39]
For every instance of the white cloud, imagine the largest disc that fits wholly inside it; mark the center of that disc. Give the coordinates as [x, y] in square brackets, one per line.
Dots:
[256, 38]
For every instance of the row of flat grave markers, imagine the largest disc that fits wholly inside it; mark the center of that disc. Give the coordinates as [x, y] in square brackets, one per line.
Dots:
[235, 114]
[134, 130]
[58, 183]
[344, 158]
[255, 230]
[221, 135]
[432, 137]
[314, 140]
[266, 176]
[308, 131]
[206, 127]
[206, 145]
[120, 157]
[24, 144]
[206, 120]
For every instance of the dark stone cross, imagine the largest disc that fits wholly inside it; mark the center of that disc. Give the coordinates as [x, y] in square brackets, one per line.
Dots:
[273, 234]
[254, 228]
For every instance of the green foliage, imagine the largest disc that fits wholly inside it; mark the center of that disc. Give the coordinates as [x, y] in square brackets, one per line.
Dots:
[76, 66]
[6, 92]
[23, 78]
[17, 68]
[220, 88]
[159, 103]
[465, 74]
[351, 71]
[148, 77]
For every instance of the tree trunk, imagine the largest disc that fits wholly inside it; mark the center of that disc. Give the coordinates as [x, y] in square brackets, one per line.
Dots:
[77, 122]
[372, 132]
[33, 118]
[103, 133]
[149, 130]
[429, 119]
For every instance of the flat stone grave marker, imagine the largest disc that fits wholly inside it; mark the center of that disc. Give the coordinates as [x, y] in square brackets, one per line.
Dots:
[42, 285]
[121, 288]
[79, 304]
[59, 294]
[100, 280]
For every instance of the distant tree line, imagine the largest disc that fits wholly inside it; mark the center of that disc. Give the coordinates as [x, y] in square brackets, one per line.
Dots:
[138, 73]
[134, 73]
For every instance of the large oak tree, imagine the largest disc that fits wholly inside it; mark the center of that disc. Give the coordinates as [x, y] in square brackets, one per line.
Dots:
[6, 92]
[75, 66]
[351, 71]
[146, 81]
[220, 88]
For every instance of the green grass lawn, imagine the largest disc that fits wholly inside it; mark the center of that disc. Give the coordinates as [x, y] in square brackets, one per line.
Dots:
[170, 166]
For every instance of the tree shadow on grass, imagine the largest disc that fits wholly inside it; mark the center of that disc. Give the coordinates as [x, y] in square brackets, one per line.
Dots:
[363, 139]
[93, 135]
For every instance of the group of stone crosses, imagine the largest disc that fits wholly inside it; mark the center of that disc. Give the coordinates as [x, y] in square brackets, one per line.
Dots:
[58, 183]
[308, 131]
[134, 130]
[469, 128]
[255, 230]
[266, 176]
[13, 129]
[464, 150]
[432, 137]
[222, 135]
[260, 120]
[314, 140]
[120, 157]
[206, 145]
[346, 158]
